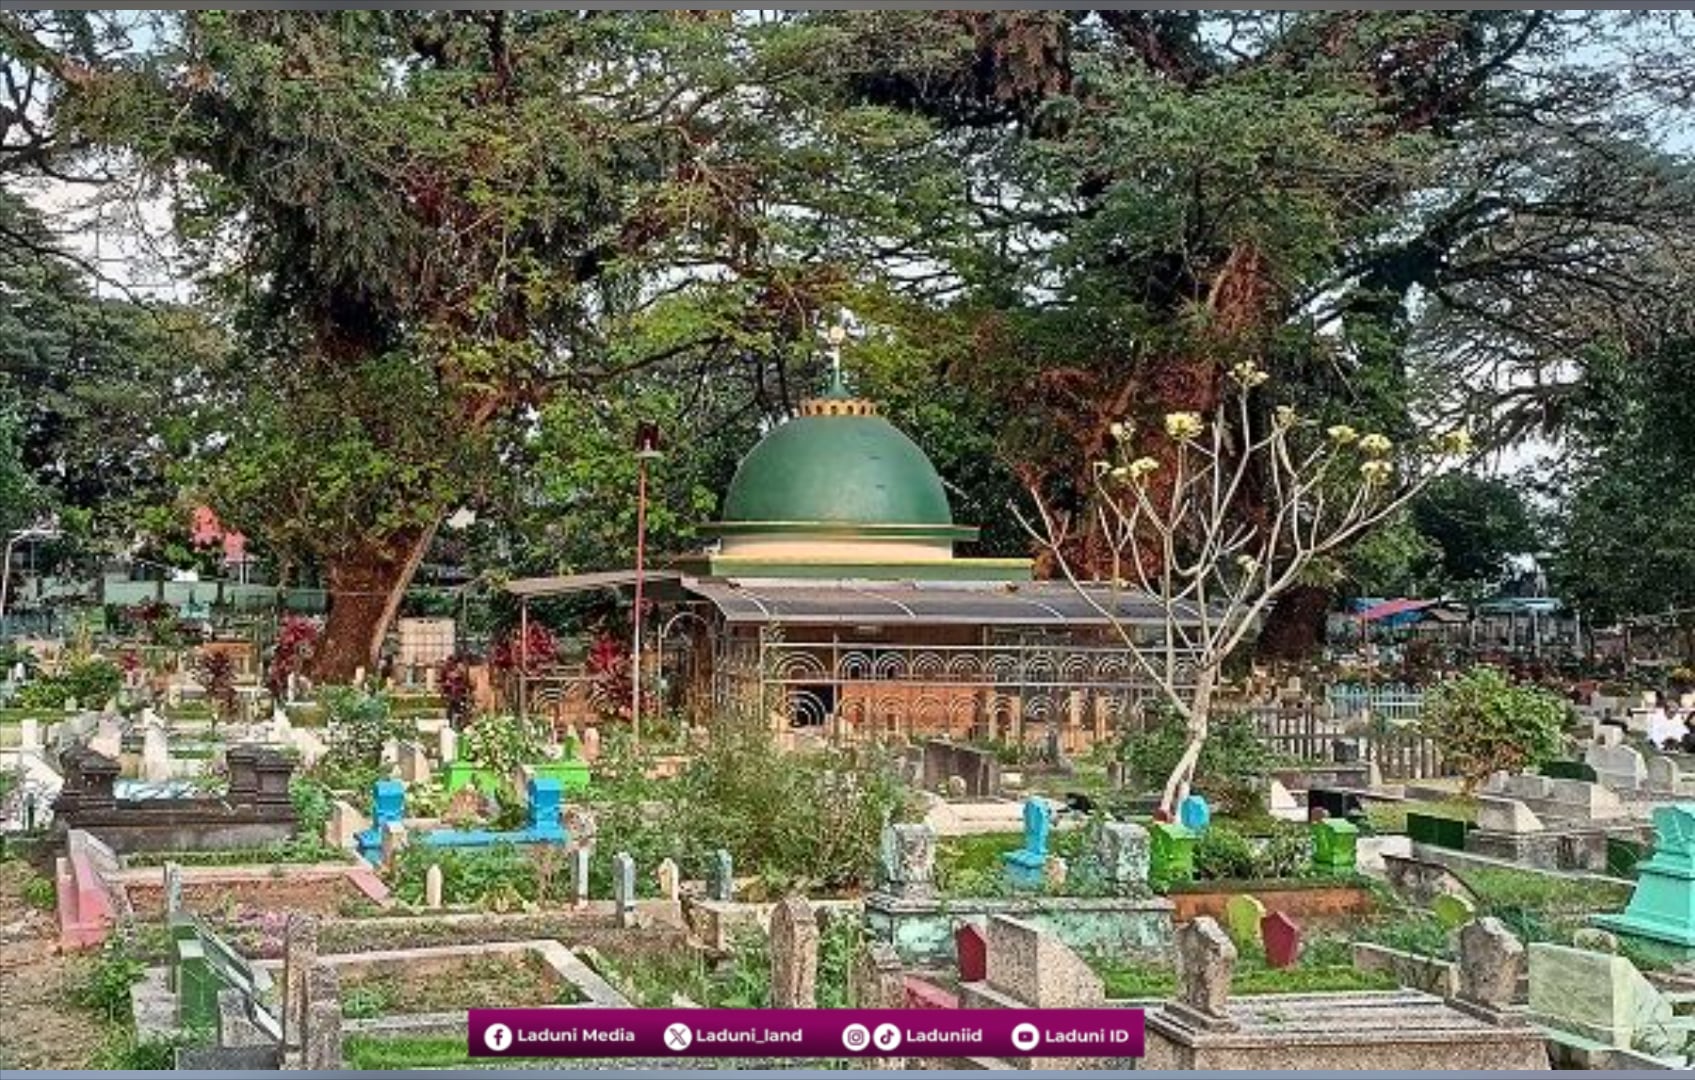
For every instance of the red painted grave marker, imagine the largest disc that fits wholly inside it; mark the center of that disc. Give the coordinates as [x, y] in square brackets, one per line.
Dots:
[1281, 936]
[971, 951]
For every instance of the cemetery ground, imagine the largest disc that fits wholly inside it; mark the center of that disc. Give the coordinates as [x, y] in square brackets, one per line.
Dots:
[340, 883]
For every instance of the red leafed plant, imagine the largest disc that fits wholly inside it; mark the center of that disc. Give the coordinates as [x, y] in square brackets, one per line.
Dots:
[538, 651]
[456, 689]
[217, 676]
[296, 639]
[610, 685]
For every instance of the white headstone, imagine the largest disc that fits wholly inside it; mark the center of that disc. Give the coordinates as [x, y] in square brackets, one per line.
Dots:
[1664, 776]
[432, 886]
[1506, 815]
[107, 739]
[29, 737]
[344, 825]
[1279, 799]
[448, 744]
[414, 763]
[1618, 767]
[670, 881]
[310, 747]
[155, 754]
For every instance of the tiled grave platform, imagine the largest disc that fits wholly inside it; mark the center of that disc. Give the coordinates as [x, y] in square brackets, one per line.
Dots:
[1401, 1029]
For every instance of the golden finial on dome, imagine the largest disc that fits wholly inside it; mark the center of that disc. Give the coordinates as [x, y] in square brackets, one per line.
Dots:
[836, 400]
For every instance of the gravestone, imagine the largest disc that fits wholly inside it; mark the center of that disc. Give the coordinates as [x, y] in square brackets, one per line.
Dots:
[971, 953]
[1242, 915]
[344, 825]
[1026, 867]
[1662, 907]
[447, 744]
[1618, 767]
[393, 841]
[1491, 960]
[1437, 831]
[877, 979]
[1037, 968]
[794, 955]
[1206, 961]
[624, 887]
[1117, 775]
[1602, 997]
[1495, 814]
[173, 892]
[669, 880]
[1280, 936]
[412, 763]
[322, 1048]
[29, 735]
[1664, 776]
[1119, 853]
[1054, 874]
[1453, 910]
[1194, 814]
[908, 861]
[1279, 800]
[591, 745]
[1171, 852]
[1335, 804]
[155, 754]
[580, 875]
[1333, 846]
[300, 954]
[108, 739]
[388, 802]
[432, 887]
[721, 879]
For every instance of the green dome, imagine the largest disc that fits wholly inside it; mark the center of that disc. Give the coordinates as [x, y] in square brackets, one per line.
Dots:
[857, 472]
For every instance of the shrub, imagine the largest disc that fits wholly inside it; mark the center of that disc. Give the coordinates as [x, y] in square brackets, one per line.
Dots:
[91, 683]
[297, 638]
[456, 690]
[357, 725]
[103, 985]
[1484, 723]
[1222, 852]
[502, 743]
[1232, 764]
[41, 893]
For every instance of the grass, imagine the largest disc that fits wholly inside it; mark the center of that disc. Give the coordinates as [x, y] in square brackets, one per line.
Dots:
[482, 982]
[1391, 817]
[416, 1052]
[1501, 890]
[301, 850]
[1325, 967]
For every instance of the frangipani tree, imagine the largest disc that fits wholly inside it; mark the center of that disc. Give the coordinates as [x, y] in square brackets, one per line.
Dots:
[1216, 517]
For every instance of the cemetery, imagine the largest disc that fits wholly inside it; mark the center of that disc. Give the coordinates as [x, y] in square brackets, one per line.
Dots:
[1181, 514]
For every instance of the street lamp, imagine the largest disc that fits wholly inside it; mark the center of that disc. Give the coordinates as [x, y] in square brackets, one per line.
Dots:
[43, 531]
[647, 449]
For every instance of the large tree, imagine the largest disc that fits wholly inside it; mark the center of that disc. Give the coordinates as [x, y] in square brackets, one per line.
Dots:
[1384, 209]
[429, 226]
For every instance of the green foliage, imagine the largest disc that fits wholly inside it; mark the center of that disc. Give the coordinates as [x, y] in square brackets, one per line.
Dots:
[102, 985]
[503, 742]
[1483, 722]
[357, 724]
[40, 893]
[312, 805]
[1232, 765]
[125, 1051]
[501, 877]
[91, 683]
[1222, 852]
[834, 802]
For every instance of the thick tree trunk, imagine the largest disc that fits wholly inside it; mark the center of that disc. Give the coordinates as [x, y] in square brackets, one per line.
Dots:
[365, 590]
[1294, 629]
[1199, 717]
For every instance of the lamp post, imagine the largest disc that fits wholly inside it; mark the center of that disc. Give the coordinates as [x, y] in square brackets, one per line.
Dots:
[647, 450]
[47, 531]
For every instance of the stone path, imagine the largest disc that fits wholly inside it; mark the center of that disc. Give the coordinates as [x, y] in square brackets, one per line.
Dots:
[42, 1029]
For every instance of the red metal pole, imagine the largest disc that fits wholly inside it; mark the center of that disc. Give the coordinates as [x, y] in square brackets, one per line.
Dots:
[636, 634]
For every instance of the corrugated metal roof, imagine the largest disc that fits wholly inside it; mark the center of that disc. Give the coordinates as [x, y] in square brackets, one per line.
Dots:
[1041, 603]
[572, 583]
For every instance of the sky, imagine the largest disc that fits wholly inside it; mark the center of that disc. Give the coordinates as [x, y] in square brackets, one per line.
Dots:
[130, 242]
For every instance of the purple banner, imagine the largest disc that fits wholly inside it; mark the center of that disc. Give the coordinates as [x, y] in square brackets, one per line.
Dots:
[813, 1033]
